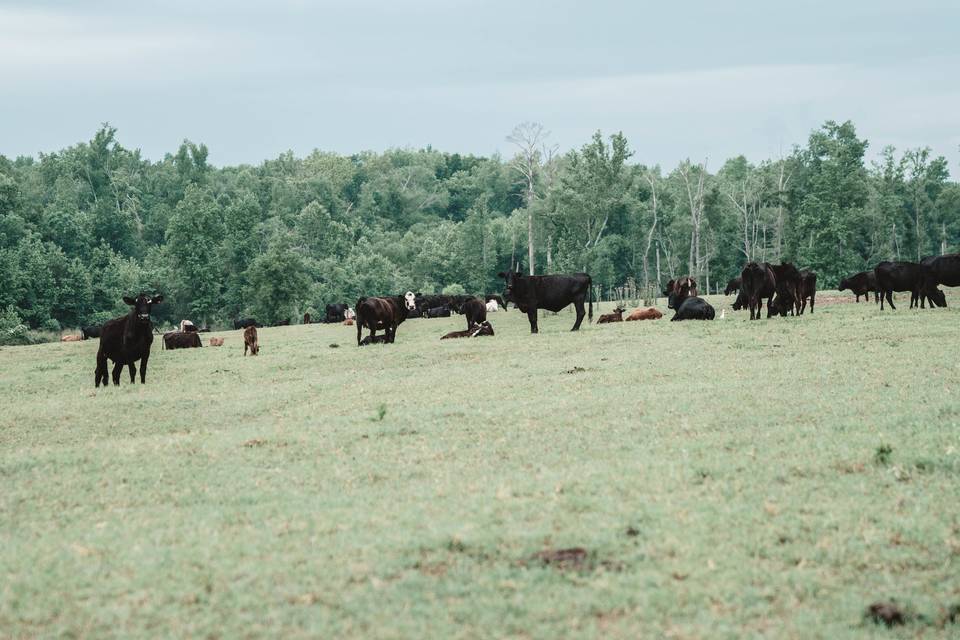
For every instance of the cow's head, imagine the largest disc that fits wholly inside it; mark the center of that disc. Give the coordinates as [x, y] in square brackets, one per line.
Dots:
[514, 285]
[844, 284]
[410, 300]
[142, 304]
[936, 296]
[680, 292]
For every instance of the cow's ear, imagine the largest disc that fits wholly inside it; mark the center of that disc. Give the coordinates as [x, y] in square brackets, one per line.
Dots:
[128, 300]
[156, 300]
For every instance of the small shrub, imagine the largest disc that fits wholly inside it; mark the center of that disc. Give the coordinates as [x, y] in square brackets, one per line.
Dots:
[51, 325]
[454, 290]
[883, 454]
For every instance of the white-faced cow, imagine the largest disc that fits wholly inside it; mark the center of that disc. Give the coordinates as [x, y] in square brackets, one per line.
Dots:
[125, 340]
[553, 293]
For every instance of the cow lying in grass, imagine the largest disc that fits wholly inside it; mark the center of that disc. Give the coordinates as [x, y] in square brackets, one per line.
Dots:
[181, 340]
[650, 313]
[482, 329]
[689, 307]
[616, 316]
[216, 342]
[381, 339]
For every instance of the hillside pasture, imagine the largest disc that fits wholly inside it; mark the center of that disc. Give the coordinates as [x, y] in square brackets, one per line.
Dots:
[645, 479]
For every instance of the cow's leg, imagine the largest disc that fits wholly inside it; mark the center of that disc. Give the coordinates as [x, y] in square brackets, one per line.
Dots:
[100, 375]
[578, 304]
[359, 330]
[889, 295]
[813, 300]
[117, 369]
[133, 373]
[532, 317]
[143, 369]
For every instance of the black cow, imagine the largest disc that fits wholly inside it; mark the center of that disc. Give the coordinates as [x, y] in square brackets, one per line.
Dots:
[416, 312]
[475, 311]
[282, 323]
[381, 313]
[732, 286]
[807, 289]
[938, 270]
[336, 313]
[125, 340]
[181, 340]
[688, 307]
[553, 293]
[92, 331]
[473, 331]
[243, 323]
[442, 311]
[905, 276]
[372, 339]
[779, 306]
[741, 301]
[788, 284]
[861, 284]
[758, 282]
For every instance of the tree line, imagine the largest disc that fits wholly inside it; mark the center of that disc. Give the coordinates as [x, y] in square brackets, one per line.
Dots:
[84, 226]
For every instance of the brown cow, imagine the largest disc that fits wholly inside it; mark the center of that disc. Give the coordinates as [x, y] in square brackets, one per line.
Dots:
[306, 318]
[673, 286]
[250, 341]
[650, 313]
[381, 313]
[70, 339]
[616, 316]
[348, 322]
[216, 342]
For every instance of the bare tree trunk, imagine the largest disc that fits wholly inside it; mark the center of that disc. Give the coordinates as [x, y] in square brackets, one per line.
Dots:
[550, 253]
[658, 265]
[529, 137]
[653, 227]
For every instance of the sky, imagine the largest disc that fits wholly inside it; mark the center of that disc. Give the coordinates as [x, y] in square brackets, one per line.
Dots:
[698, 79]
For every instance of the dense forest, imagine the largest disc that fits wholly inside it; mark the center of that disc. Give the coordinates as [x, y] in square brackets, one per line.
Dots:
[81, 227]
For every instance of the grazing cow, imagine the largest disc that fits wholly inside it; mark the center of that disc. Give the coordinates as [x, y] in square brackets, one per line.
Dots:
[758, 282]
[216, 342]
[779, 306]
[493, 297]
[126, 339]
[71, 338]
[186, 325]
[905, 276]
[251, 341]
[688, 307]
[306, 318]
[807, 289]
[788, 284]
[282, 323]
[861, 284]
[381, 313]
[492, 306]
[92, 331]
[181, 340]
[616, 316]
[943, 270]
[553, 293]
[939, 270]
[372, 339]
[650, 313]
[482, 329]
[732, 287]
[475, 311]
[336, 313]
[243, 323]
[741, 301]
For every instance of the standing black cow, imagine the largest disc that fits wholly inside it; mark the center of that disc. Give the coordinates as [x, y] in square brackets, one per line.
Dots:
[243, 323]
[125, 340]
[475, 311]
[553, 293]
[732, 286]
[92, 331]
[905, 276]
[807, 289]
[861, 284]
[336, 313]
[688, 307]
[758, 282]
[787, 279]
[380, 313]
[938, 270]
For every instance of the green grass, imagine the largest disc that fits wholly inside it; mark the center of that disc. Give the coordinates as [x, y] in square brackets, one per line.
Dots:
[725, 479]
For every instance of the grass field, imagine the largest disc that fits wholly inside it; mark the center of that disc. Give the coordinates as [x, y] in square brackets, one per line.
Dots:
[722, 479]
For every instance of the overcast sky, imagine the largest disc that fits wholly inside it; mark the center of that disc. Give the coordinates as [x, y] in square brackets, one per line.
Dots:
[693, 79]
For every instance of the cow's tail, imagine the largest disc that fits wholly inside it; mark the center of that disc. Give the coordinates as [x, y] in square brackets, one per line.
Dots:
[590, 312]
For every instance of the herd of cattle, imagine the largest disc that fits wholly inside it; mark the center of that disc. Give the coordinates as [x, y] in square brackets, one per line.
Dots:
[127, 339]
